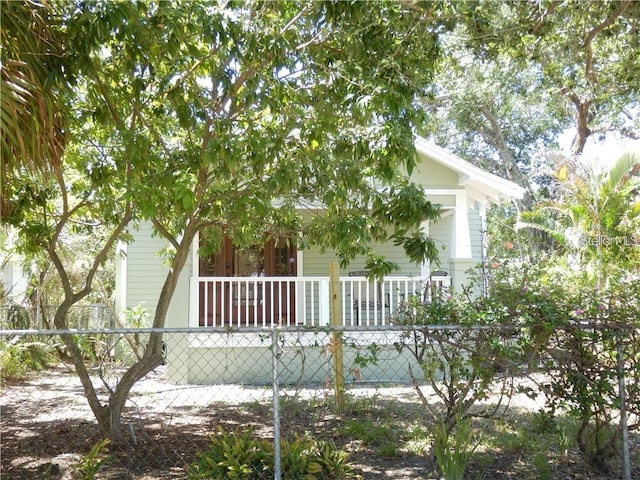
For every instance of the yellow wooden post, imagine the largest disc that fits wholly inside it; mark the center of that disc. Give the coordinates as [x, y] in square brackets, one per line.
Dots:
[336, 336]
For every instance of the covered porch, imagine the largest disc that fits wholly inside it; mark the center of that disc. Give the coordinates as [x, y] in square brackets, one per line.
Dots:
[259, 301]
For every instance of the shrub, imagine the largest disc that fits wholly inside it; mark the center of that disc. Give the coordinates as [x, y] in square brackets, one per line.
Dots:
[90, 463]
[19, 357]
[239, 455]
[586, 336]
[454, 448]
[460, 362]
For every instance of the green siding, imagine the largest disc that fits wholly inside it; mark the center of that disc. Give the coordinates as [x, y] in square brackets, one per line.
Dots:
[316, 264]
[146, 273]
[432, 174]
[440, 232]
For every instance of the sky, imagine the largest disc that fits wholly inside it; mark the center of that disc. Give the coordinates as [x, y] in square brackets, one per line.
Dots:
[604, 152]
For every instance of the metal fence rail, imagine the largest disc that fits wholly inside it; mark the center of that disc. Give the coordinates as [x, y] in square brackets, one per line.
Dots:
[277, 382]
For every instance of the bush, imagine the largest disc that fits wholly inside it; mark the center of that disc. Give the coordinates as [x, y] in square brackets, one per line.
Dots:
[585, 336]
[239, 455]
[454, 448]
[20, 357]
[461, 362]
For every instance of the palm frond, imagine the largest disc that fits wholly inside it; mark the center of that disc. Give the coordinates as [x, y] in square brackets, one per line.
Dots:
[31, 129]
[625, 168]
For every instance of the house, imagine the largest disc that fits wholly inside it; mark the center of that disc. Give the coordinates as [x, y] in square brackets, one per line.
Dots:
[254, 288]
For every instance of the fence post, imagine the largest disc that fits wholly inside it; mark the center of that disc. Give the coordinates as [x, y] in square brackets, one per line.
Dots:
[623, 409]
[277, 473]
[336, 336]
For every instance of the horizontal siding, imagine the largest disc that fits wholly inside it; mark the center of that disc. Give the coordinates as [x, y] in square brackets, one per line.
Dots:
[440, 232]
[316, 264]
[475, 231]
[145, 272]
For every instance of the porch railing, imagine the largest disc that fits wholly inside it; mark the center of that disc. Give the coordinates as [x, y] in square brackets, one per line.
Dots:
[263, 301]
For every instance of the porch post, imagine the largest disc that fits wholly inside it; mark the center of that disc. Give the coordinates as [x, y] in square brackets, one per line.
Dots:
[425, 268]
[461, 254]
[336, 335]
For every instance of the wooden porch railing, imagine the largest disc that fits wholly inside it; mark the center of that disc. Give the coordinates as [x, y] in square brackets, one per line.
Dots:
[288, 301]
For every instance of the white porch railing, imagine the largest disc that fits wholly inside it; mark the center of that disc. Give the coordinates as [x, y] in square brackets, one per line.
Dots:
[262, 301]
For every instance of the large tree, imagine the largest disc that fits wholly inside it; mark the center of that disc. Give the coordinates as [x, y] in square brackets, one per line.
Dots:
[515, 75]
[585, 51]
[494, 112]
[226, 118]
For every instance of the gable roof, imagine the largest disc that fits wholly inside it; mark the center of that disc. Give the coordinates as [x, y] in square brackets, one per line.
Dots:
[482, 186]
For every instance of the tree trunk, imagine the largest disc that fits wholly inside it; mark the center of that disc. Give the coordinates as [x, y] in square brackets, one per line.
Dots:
[152, 357]
[579, 142]
[101, 412]
[494, 137]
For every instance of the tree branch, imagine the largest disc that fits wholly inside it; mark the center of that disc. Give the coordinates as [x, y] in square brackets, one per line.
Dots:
[165, 233]
[588, 68]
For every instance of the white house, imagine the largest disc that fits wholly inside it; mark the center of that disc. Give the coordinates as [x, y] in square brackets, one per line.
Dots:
[276, 283]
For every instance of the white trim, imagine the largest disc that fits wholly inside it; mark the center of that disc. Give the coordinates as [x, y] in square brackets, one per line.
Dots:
[299, 262]
[195, 257]
[493, 186]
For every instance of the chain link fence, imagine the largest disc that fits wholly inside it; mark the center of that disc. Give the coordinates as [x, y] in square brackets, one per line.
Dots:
[93, 315]
[379, 395]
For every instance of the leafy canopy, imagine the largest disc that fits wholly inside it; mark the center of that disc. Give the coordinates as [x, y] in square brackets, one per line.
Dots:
[236, 114]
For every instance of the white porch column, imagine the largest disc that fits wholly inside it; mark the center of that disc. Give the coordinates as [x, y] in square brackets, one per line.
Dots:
[300, 289]
[460, 234]
[425, 268]
[324, 302]
[461, 254]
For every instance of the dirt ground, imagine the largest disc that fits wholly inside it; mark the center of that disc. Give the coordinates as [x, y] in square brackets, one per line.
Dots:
[46, 429]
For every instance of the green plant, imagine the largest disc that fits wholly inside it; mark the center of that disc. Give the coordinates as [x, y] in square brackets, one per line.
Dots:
[236, 455]
[419, 441]
[88, 345]
[586, 335]
[462, 363]
[94, 460]
[544, 471]
[370, 433]
[454, 448]
[566, 435]
[387, 449]
[310, 459]
[544, 422]
[21, 356]
[360, 404]
[518, 441]
[241, 456]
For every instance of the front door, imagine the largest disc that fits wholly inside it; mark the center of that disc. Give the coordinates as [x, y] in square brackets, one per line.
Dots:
[249, 299]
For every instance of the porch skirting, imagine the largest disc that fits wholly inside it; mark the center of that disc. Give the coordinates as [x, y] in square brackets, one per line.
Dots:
[304, 358]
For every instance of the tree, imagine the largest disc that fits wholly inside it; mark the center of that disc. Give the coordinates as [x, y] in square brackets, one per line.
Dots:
[594, 217]
[225, 119]
[585, 52]
[515, 75]
[494, 112]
